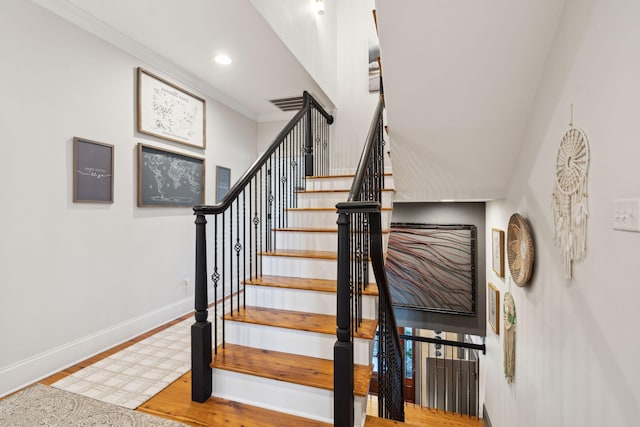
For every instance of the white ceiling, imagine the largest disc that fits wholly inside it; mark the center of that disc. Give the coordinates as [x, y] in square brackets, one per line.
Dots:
[181, 38]
[460, 76]
[460, 80]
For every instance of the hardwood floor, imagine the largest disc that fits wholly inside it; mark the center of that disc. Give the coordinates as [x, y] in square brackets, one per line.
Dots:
[174, 402]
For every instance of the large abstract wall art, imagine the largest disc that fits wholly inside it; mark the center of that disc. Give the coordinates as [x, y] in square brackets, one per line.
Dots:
[432, 267]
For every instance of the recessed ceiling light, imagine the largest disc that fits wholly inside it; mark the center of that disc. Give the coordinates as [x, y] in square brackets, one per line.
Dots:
[222, 59]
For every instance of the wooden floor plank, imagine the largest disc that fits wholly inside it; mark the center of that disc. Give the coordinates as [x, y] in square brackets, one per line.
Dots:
[319, 285]
[174, 403]
[296, 369]
[301, 321]
[415, 415]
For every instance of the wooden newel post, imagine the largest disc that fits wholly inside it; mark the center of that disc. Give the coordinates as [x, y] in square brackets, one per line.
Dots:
[201, 329]
[343, 349]
[308, 143]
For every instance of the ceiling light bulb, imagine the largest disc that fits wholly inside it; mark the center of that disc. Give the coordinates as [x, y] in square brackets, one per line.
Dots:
[320, 7]
[222, 59]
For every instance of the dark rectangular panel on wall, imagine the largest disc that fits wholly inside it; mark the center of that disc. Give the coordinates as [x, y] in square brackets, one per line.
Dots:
[472, 213]
[432, 267]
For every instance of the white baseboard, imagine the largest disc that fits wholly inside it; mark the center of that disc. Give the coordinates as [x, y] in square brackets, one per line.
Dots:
[28, 371]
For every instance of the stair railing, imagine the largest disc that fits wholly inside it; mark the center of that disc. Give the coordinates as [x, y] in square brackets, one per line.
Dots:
[243, 228]
[360, 241]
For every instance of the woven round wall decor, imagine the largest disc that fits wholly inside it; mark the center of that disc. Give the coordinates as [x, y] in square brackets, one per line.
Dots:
[520, 251]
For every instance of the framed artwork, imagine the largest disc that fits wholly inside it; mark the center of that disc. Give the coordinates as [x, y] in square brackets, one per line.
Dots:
[167, 178]
[493, 305]
[223, 182]
[170, 112]
[92, 171]
[432, 267]
[374, 66]
[497, 251]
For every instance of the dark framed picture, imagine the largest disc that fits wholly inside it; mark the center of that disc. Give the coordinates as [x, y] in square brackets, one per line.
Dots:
[497, 251]
[92, 171]
[168, 178]
[493, 311]
[432, 267]
[170, 112]
[223, 182]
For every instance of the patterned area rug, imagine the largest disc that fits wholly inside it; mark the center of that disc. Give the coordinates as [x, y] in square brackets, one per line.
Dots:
[137, 373]
[40, 405]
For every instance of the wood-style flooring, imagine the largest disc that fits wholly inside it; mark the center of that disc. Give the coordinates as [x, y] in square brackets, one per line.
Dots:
[174, 402]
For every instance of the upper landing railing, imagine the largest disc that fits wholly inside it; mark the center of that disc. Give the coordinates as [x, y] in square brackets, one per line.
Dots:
[360, 243]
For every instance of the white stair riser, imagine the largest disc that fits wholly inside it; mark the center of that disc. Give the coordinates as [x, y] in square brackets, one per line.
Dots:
[324, 219]
[301, 300]
[308, 268]
[303, 401]
[304, 343]
[330, 199]
[314, 240]
[340, 183]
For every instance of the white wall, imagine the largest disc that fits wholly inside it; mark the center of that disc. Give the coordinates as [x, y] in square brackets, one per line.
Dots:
[577, 351]
[310, 37]
[77, 278]
[267, 132]
[354, 102]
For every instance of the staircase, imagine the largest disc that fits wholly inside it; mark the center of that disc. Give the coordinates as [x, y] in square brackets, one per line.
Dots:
[278, 351]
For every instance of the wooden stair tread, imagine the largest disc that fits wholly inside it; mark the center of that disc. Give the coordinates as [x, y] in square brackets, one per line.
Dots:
[336, 191]
[320, 285]
[338, 176]
[292, 368]
[302, 253]
[174, 402]
[314, 230]
[298, 320]
[323, 209]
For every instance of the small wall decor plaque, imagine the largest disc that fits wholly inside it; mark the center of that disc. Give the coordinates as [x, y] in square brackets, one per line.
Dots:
[223, 182]
[497, 251]
[493, 308]
[92, 171]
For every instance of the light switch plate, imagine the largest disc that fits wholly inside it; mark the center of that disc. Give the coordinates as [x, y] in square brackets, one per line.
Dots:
[626, 214]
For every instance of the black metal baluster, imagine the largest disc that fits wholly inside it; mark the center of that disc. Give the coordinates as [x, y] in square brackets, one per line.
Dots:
[250, 251]
[216, 278]
[224, 277]
[238, 247]
[231, 259]
[263, 218]
[244, 245]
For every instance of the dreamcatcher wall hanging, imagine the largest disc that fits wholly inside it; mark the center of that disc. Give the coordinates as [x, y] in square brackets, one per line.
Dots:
[570, 198]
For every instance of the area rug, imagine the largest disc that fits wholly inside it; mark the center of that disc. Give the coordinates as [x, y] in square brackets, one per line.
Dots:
[40, 405]
[137, 373]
